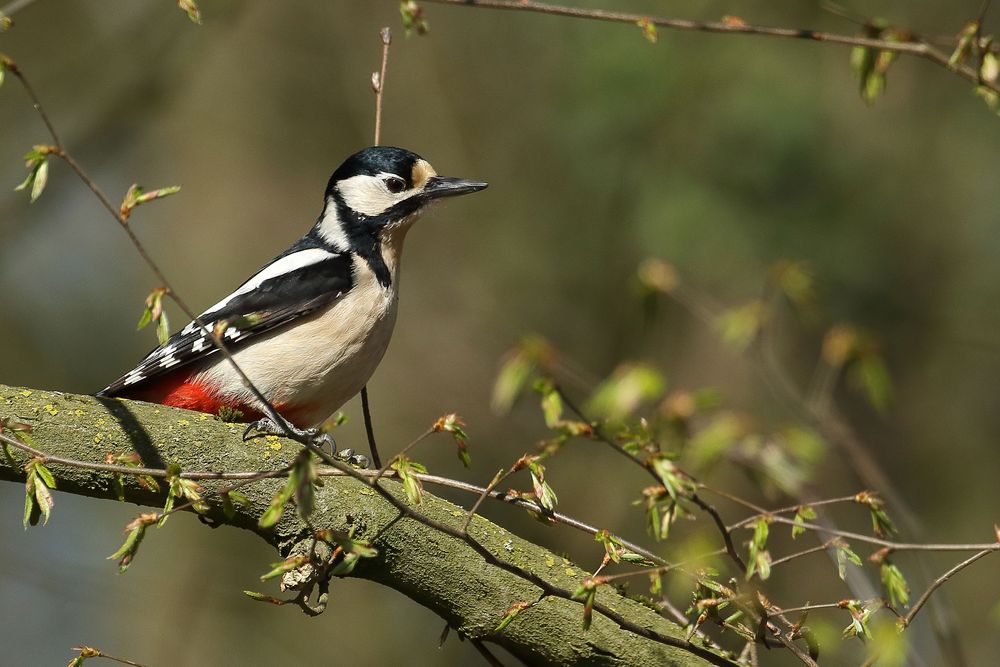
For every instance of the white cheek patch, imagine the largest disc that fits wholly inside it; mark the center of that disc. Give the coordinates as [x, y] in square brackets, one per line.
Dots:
[367, 194]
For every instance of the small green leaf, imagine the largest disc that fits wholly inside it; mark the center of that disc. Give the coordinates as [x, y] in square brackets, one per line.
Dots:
[636, 559]
[136, 196]
[261, 597]
[859, 620]
[305, 491]
[279, 568]
[803, 514]
[412, 15]
[552, 407]
[453, 424]
[612, 545]
[889, 647]
[844, 556]
[676, 483]
[154, 312]
[870, 65]
[136, 532]
[882, 525]
[586, 593]
[160, 193]
[276, 509]
[896, 588]
[44, 499]
[162, 329]
[510, 613]
[345, 566]
[740, 326]
[715, 439]
[629, 387]
[45, 474]
[990, 69]
[759, 561]
[648, 30]
[29, 501]
[795, 281]
[191, 8]
[41, 178]
[412, 486]
[873, 376]
[38, 171]
[228, 500]
[543, 492]
[511, 381]
[965, 40]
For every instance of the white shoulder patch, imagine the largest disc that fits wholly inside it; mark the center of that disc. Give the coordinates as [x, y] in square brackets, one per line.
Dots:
[331, 229]
[286, 264]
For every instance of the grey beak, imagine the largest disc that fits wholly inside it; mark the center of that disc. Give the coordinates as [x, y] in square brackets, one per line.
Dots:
[445, 186]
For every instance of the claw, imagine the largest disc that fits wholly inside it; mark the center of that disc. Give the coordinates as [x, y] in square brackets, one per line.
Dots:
[266, 426]
[356, 460]
[261, 425]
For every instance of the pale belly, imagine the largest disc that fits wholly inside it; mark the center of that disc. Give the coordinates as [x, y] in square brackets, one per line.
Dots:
[314, 366]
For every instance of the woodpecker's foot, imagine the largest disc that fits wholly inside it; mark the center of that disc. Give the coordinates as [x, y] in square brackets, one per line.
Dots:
[266, 426]
[356, 460]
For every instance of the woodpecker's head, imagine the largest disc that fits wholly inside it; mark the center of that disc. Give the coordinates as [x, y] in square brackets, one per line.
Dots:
[380, 189]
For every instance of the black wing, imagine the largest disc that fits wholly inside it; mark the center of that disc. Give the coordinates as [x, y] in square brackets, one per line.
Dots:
[296, 284]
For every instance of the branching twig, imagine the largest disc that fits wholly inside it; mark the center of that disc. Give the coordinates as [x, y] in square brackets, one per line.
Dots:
[918, 605]
[61, 152]
[403, 452]
[915, 47]
[91, 652]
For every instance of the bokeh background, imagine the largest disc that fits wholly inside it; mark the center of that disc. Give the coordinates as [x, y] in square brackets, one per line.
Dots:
[719, 154]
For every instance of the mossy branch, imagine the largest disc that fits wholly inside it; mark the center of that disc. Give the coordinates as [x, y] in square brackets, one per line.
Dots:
[438, 571]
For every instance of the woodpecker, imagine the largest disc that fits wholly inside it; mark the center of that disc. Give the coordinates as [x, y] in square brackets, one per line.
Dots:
[310, 327]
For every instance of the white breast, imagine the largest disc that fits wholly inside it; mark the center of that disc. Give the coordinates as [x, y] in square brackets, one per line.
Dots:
[320, 362]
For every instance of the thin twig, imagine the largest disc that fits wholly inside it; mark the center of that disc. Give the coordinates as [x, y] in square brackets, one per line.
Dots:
[369, 427]
[378, 84]
[917, 48]
[810, 607]
[501, 475]
[403, 452]
[918, 605]
[806, 552]
[327, 472]
[91, 652]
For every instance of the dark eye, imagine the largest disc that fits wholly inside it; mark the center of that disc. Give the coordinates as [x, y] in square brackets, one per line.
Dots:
[395, 185]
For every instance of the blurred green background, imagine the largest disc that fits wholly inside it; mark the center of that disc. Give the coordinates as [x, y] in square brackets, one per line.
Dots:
[720, 154]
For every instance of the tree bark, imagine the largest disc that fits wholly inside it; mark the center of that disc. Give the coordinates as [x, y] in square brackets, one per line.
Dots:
[438, 571]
